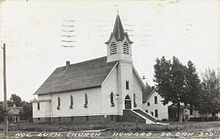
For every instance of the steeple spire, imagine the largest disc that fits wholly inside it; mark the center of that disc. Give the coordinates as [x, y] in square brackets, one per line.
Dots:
[118, 30]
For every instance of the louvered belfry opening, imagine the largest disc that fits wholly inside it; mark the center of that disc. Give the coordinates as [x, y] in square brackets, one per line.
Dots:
[125, 48]
[113, 48]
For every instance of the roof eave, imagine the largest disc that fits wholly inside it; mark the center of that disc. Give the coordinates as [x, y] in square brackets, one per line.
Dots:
[64, 91]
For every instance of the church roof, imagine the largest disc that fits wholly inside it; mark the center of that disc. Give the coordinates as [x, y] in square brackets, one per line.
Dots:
[118, 31]
[83, 75]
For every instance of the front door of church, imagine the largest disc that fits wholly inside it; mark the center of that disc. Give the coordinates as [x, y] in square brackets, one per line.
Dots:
[127, 104]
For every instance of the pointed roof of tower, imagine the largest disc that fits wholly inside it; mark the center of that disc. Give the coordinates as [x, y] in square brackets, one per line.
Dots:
[118, 31]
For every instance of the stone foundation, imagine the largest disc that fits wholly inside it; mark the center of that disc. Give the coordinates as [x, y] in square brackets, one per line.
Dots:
[79, 119]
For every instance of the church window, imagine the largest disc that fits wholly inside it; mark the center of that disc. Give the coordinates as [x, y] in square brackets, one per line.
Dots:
[148, 103]
[112, 117]
[72, 118]
[127, 85]
[38, 106]
[125, 48]
[155, 99]
[156, 113]
[113, 48]
[71, 102]
[87, 118]
[58, 103]
[146, 111]
[112, 99]
[152, 113]
[86, 101]
[134, 97]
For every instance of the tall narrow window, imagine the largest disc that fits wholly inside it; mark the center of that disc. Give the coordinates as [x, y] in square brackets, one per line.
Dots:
[152, 113]
[156, 113]
[134, 97]
[155, 99]
[87, 118]
[127, 85]
[38, 106]
[72, 118]
[113, 48]
[148, 103]
[58, 103]
[86, 101]
[112, 99]
[125, 48]
[71, 102]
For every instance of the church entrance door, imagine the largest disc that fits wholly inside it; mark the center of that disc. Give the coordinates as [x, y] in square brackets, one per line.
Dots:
[127, 102]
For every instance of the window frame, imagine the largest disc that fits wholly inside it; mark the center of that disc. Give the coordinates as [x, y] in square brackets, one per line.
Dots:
[71, 102]
[86, 101]
[127, 85]
[134, 100]
[112, 99]
[38, 105]
[155, 100]
[156, 113]
[58, 103]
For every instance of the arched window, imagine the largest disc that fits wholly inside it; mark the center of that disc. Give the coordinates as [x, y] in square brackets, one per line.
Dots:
[112, 99]
[58, 103]
[113, 48]
[134, 97]
[71, 102]
[86, 101]
[125, 48]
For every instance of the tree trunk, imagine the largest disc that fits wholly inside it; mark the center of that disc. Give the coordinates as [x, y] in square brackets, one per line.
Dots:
[179, 112]
[203, 117]
[213, 116]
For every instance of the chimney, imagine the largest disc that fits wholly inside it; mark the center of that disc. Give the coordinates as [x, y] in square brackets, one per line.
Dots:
[67, 64]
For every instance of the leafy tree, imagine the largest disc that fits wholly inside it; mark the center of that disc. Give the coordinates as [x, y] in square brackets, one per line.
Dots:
[193, 86]
[176, 82]
[1, 112]
[210, 94]
[16, 99]
[26, 113]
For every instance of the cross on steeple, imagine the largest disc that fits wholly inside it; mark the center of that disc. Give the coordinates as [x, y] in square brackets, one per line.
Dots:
[117, 9]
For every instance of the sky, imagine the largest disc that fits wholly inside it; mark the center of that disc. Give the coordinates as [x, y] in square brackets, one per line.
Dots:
[42, 34]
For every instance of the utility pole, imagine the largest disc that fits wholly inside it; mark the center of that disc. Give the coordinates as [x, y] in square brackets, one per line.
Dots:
[5, 91]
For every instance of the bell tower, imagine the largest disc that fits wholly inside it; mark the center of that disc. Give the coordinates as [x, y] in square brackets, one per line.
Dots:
[119, 44]
[119, 49]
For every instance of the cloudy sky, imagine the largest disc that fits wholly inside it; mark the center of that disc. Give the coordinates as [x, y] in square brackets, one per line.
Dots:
[35, 32]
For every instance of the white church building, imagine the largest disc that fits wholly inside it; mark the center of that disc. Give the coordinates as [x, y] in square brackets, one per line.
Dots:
[98, 90]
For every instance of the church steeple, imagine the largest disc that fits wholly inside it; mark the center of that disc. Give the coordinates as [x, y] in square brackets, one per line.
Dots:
[119, 44]
[118, 31]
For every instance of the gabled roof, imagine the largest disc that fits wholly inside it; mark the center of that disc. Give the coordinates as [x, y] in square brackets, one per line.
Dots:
[148, 92]
[83, 75]
[118, 31]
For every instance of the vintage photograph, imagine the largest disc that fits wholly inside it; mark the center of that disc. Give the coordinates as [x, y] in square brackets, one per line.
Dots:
[110, 69]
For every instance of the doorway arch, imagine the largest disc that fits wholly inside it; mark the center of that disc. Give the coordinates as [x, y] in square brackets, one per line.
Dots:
[127, 102]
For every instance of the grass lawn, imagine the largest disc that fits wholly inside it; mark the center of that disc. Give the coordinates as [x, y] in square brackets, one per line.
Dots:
[199, 129]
